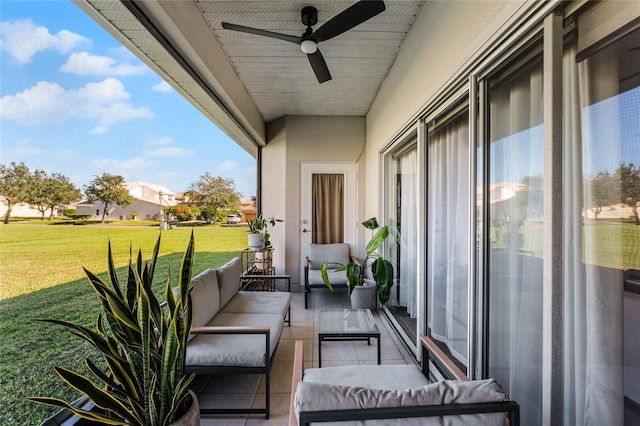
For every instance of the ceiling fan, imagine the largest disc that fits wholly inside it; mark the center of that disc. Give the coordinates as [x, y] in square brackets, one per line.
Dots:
[344, 21]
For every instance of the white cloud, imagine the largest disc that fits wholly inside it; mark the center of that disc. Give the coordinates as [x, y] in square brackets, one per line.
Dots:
[171, 152]
[24, 146]
[82, 63]
[122, 166]
[163, 86]
[158, 140]
[22, 40]
[46, 102]
[227, 165]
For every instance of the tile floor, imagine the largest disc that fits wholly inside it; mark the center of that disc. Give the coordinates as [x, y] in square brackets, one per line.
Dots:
[247, 390]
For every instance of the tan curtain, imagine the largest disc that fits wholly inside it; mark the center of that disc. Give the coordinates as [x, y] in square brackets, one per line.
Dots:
[328, 208]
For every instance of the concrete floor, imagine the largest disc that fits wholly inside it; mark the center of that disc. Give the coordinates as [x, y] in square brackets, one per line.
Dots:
[240, 391]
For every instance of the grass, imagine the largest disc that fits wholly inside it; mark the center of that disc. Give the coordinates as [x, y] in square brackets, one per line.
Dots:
[42, 277]
[606, 243]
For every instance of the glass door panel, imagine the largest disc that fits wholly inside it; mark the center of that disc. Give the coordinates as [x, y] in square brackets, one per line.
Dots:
[514, 198]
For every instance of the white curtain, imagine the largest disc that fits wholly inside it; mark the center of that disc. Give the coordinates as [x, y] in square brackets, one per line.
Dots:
[448, 234]
[593, 294]
[409, 232]
[515, 233]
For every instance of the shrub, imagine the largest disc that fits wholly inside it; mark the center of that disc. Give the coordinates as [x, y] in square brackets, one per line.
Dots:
[70, 212]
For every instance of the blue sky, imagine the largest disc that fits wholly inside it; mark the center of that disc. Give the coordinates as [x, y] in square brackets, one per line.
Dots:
[73, 100]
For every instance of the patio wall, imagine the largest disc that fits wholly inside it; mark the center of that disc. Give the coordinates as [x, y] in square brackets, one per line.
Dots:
[291, 141]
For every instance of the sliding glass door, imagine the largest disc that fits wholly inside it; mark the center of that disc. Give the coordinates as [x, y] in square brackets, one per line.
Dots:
[402, 211]
[448, 233]
[602, 230]
[513, 200]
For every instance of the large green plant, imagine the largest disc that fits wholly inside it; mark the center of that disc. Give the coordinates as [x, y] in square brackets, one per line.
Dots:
[142, 343]
[381, 268]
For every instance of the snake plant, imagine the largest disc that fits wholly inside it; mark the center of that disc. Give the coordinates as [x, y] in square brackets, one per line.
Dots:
[142, 343]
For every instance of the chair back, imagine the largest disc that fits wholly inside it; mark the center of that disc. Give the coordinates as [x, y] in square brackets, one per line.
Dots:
[337, 254]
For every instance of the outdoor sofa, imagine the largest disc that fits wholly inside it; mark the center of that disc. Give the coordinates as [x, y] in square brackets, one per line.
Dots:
[234, 331]
[374, 394]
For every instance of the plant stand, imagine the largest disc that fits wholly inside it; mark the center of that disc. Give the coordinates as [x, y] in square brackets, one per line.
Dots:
[257, 266]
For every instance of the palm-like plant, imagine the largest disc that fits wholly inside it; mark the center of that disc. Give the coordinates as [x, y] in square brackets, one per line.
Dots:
[381, 268]
[142, 343]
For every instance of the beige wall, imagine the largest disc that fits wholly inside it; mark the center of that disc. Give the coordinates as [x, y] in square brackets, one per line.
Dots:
[292, 140]
[437, 52]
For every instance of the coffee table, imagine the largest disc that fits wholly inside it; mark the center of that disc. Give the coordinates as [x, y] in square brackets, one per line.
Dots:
[348, 325]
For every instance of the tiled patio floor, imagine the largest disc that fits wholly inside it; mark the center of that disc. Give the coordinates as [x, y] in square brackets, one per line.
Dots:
[248, 390]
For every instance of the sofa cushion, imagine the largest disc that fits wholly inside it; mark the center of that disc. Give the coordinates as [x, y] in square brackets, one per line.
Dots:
[205, 297]
[321, 396]
[258, 302]
[391, 377]
[336, 254]
[239, 350]
[229, 279]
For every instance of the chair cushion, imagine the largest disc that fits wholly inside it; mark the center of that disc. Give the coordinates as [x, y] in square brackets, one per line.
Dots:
[336, 253]
[335, 278]
[391, 377]
[229, 279]
[321, 396]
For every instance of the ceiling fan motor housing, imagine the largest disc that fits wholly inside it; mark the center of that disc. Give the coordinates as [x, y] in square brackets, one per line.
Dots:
[309, 16]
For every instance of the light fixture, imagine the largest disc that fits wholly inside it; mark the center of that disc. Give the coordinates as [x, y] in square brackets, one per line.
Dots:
[309, 46]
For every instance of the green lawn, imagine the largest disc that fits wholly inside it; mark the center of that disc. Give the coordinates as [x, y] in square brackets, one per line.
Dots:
[42, 277]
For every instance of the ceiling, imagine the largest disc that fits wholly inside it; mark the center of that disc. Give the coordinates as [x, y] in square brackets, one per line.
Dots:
[277, 74]
[228, 73]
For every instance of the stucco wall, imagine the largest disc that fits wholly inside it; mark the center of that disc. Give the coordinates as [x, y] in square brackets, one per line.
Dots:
[442, 43]
[292, 140]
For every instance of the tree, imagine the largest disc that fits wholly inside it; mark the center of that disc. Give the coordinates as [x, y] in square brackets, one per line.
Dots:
[64, 192]
[14, 185]
[629, 178]
[40, 192]
[109, 189]
[600, 192]
[215, 192]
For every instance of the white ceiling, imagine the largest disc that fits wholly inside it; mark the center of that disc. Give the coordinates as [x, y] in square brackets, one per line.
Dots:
[277, 74]
[271, 77]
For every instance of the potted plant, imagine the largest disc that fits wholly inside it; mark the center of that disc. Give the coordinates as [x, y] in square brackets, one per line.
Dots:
[259, 232]
[143, 345]
[381, 268]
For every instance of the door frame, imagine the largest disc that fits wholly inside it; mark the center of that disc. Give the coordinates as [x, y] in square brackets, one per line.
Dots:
[307, 170]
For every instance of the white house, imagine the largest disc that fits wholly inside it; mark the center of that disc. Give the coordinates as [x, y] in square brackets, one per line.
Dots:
[149, 200]
[22, 210]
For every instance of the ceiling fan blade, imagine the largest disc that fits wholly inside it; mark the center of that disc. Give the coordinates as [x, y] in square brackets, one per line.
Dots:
[349, 18]
[280, 36]
[319, 66]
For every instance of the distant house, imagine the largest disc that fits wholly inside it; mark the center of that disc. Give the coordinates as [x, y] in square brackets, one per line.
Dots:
[247, 210]
[149, 200]
[22, 210]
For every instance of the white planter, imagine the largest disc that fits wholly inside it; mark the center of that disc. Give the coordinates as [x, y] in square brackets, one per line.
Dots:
[364, 296]
[256, 241]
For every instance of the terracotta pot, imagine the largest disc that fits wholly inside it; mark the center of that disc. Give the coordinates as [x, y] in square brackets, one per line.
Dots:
[191, 417]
